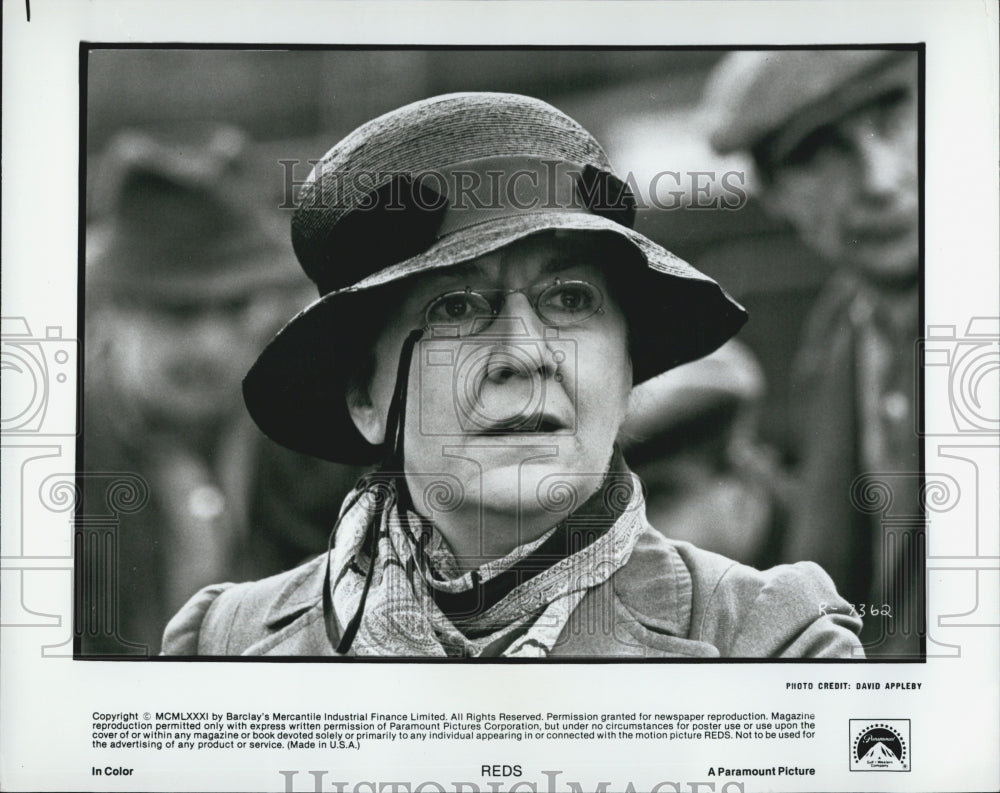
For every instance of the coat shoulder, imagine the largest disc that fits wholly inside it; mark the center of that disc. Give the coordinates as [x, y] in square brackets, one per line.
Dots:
[790, 611]
[225, 619]
[182, 634]
[786, 611]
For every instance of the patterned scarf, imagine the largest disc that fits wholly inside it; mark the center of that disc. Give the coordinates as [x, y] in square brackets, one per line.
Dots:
[418, 602]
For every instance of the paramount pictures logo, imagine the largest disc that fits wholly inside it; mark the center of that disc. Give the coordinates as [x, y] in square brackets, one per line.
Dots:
[880, 745]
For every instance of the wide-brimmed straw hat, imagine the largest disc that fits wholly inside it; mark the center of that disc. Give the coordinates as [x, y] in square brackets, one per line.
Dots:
[436, 183]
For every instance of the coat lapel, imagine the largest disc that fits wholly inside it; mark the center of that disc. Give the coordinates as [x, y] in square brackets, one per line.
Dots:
[294, 621]
[642, 611]
[304, 636]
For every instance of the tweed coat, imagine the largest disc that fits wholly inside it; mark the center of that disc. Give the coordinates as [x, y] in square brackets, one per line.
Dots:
[670, 599]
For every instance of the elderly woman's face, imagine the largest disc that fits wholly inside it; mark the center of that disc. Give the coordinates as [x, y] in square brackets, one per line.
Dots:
[516, 414]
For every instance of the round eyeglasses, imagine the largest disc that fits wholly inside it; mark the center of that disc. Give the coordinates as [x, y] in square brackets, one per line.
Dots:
[470, 311]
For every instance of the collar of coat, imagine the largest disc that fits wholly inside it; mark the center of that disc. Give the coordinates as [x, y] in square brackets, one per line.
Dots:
[670, 599]
[647, 609]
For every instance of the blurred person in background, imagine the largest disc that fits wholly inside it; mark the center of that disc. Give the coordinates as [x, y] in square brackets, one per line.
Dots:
[691, 436]
[185, 281]
[834, 138]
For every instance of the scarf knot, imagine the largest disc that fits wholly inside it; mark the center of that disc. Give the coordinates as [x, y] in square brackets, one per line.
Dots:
[394, 577]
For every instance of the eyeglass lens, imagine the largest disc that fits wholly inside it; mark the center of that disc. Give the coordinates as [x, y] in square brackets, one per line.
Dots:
[561, 303]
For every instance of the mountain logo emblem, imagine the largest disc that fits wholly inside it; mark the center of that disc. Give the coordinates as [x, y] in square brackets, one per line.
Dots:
[880, 745]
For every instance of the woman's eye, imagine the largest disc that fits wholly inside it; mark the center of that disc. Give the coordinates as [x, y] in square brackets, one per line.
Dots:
[457, 307]
[569, 303]
[570, 297]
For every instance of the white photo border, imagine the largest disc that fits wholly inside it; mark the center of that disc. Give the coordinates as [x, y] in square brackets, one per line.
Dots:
[49, 699]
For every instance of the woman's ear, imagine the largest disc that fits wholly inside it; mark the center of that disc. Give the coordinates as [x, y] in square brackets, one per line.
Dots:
[368, 419]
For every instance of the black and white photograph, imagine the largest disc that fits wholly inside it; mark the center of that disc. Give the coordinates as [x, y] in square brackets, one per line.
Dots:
[525, 408]
[485, 408]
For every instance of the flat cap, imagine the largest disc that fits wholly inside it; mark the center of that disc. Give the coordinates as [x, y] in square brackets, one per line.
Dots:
[755, 95]
[179, 222]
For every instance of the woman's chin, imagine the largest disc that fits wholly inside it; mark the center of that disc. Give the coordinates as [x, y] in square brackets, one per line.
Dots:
[535, 491]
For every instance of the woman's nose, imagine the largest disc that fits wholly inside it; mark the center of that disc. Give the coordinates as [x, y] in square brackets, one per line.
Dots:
[521, 348]
[517, 319]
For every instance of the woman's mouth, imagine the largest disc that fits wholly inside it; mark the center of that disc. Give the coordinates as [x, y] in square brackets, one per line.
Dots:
[523, 424]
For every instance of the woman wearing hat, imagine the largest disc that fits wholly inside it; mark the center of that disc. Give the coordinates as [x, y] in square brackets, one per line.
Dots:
[485, 310]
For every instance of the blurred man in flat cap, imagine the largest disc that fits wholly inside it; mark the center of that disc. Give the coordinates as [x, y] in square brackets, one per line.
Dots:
[833, 136]
[185, 280]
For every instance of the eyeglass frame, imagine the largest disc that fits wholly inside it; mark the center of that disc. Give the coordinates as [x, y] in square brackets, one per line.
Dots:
[496, 307]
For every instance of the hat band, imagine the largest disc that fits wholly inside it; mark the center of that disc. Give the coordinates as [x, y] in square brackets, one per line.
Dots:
[494, 188]
[408, 214]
